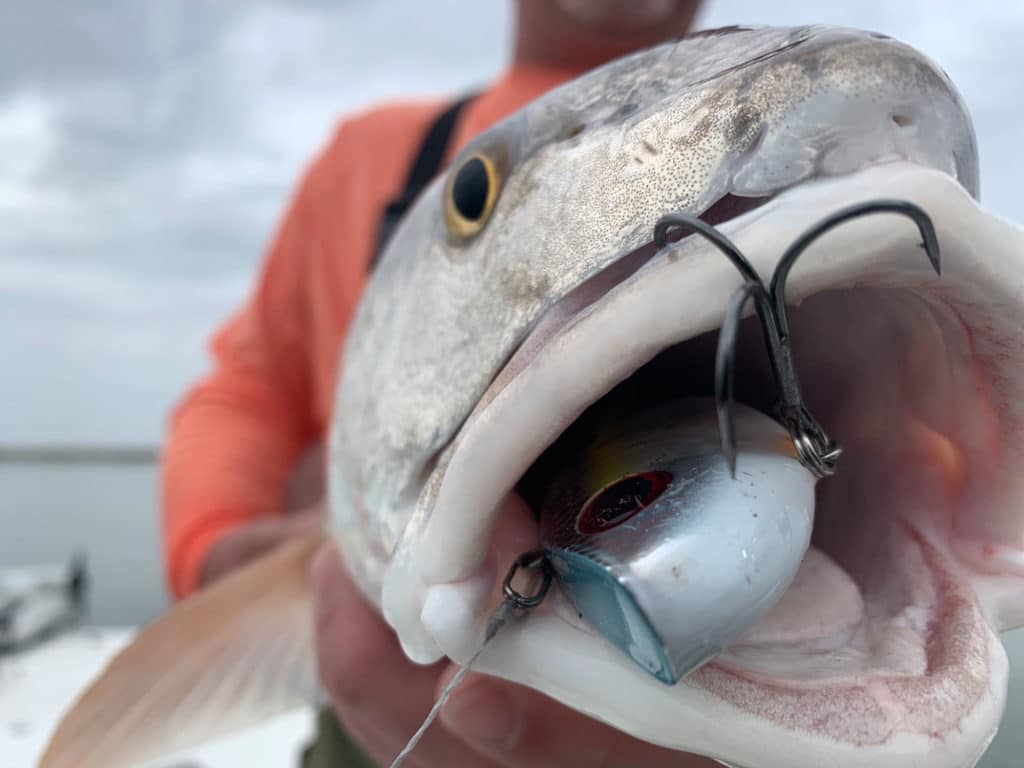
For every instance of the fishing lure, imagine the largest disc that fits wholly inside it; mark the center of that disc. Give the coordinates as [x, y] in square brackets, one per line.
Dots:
[659, 549]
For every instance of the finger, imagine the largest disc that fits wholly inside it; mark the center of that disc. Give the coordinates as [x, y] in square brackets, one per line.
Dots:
[303, 522]
[378, 693]
[234, 549]
[519, 727]
[252, 540]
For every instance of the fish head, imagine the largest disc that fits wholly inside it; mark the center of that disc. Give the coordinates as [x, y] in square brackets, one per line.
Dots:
[525, 286]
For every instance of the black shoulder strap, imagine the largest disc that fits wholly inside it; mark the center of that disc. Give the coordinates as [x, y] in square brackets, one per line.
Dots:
[424, 168]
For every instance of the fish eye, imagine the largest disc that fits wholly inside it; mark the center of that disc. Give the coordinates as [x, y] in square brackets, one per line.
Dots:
[470, 195]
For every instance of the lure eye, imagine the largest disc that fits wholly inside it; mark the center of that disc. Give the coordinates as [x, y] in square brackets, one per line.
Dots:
[616, 503]
[469, 199]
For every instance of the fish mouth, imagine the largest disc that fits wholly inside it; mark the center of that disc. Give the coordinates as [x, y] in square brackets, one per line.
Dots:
[884, 650]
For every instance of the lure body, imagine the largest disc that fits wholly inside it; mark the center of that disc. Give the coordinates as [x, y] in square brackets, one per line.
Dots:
[660, 549]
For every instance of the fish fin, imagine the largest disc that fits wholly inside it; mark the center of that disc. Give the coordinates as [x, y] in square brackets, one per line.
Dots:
[225, 658]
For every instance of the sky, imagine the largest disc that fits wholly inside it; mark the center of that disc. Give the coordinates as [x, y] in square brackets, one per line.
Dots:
[147, 151]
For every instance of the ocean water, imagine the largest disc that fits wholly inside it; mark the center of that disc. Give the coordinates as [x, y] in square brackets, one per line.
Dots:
[49, 512]
[110, 514]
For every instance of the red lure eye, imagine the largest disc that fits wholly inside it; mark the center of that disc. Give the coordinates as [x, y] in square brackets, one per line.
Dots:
[616, 503]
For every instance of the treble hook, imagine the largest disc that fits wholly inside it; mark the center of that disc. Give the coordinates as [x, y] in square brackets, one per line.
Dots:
[929, 241]
[814, 448]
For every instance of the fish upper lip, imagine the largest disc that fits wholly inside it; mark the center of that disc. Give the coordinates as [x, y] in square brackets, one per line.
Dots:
[592, 290]
[563, 320]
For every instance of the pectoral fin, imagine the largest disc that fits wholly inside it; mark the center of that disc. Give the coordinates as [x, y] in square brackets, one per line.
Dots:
[229, 656]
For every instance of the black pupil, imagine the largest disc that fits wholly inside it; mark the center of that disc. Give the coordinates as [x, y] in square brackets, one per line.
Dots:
[622, 498]
[469, 192]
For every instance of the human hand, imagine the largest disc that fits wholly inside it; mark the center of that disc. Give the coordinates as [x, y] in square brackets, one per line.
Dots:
[382, 697]
[250, 541]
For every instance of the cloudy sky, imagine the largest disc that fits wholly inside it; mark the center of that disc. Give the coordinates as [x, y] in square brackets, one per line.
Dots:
[146, 150]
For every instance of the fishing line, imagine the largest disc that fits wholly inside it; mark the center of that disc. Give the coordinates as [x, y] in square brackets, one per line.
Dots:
[434, 711]
[514, 606]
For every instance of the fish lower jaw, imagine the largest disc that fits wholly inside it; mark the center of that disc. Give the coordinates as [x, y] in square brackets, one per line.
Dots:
[922, 684]
[918, 542]
[920, 658]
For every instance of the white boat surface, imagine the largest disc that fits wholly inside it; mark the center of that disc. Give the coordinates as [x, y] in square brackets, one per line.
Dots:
[37, 685]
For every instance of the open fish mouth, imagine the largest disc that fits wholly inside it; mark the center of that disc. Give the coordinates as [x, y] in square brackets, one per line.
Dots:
[884, 650]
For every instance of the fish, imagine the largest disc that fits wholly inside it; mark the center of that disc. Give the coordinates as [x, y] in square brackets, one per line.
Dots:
[526, 284]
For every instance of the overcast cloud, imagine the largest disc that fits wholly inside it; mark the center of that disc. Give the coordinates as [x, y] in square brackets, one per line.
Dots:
[147, 149]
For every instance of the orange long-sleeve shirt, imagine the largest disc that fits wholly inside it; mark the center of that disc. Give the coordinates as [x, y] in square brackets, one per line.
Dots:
[235, 437]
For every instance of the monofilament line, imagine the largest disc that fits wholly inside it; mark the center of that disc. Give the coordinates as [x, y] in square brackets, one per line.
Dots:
[502, 615]
[435, 710]
[513, 606]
